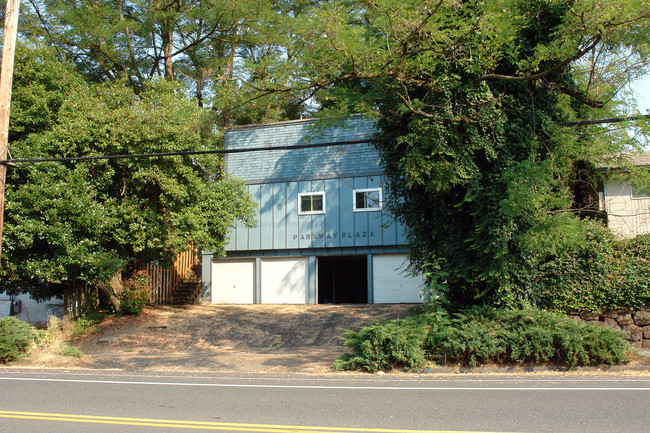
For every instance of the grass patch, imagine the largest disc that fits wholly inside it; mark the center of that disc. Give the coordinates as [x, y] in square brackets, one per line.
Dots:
[87, 322]
[66, 350]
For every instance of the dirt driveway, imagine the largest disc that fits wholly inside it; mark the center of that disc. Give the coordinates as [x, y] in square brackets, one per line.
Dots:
[232, 339]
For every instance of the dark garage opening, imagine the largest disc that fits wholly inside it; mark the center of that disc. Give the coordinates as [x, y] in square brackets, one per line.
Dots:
[343, 280]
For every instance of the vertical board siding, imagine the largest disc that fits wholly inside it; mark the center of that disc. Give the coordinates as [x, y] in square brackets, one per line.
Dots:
[293, 222]
[332, 227]
[318, 222]
[275, 178]
[375, 219]
[254, 233]
[627, 214]
[266, 217]
[304, 221]
[280, 227]
[346, 213]
[241, 236]
[361, 233]
[231, 242]
[279, 217]
[401, 234]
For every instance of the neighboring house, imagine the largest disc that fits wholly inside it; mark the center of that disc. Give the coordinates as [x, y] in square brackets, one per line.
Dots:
[322, 235]
[626, 206]
[29, 310]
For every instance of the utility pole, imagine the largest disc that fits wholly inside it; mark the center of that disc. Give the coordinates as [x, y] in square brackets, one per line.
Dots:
[6, 77]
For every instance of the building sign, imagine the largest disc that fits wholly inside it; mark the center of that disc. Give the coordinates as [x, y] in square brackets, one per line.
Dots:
[333, 235]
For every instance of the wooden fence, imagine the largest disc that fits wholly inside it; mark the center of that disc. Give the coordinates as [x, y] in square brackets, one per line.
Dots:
[163, 280]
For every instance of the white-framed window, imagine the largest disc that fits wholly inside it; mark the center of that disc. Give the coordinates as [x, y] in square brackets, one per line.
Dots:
[311, 203]
[367, 199]
[638, 192]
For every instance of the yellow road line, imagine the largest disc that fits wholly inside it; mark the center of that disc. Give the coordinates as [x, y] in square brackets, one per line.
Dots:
[201, 425]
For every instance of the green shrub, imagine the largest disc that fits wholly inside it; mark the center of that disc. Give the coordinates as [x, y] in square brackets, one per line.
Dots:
[482, 335]
[66, 350]
[601, 273]
[17, 339]
[86, 322]
[136, 293]
[395, 343]
[384, 346]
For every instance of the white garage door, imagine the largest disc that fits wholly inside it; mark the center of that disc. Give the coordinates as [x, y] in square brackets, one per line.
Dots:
[233, 281]
[284, 281]
[390, 281]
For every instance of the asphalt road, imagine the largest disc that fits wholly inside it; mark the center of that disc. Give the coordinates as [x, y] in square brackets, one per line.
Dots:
[51, 401]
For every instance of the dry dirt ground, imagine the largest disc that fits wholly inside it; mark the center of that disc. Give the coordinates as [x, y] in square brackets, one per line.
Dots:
[233, 339]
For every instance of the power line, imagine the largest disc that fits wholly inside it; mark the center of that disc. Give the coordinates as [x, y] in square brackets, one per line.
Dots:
[262, 149]
[186, 153]
[604, 121]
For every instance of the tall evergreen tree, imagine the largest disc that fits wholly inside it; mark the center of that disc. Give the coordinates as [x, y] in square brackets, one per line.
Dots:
[218, 49]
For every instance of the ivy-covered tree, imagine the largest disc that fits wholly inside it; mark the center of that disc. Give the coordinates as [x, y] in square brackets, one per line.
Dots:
[470, 97]
[74, 222]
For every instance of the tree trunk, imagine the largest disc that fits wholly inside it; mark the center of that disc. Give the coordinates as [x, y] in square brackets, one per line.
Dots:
[168, 48]
[112, 289]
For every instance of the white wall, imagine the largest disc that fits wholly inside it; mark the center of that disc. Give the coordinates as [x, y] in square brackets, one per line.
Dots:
[32, 311]
[628, 213]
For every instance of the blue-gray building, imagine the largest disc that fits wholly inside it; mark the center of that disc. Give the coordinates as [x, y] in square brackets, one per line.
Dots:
[322, 235]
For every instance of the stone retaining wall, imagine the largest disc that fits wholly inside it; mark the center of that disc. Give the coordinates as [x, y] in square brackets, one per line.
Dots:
[635, 323]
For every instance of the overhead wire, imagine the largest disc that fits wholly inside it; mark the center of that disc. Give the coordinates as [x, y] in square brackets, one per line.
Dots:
[271, 148]
[184, 153]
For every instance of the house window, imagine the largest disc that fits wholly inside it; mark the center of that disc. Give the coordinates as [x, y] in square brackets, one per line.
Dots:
[639, 192]
[311, 203]
[366, 200]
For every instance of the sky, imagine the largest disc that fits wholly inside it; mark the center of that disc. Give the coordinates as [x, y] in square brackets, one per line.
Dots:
[642, 88]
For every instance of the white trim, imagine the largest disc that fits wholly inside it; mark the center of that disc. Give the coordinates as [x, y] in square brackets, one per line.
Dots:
[311, 194]
[638, 194]
[366, 190]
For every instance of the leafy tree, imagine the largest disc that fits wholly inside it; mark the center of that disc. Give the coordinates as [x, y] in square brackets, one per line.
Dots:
[470, 96]
[218, 49]
[80, 222]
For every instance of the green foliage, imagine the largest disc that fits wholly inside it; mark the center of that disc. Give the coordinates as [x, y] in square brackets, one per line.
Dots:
[209, 47]
[382, 346]
[531, 337]
[66, 350]
[75, 223]
[17, 339]
[86, 322]
[482, 335]
[469, 97]
[136, 293]
[602, 272]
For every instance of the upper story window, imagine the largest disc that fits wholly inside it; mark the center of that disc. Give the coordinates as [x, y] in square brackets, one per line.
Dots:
[366, 200]
[311, 203]
[638, 192]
